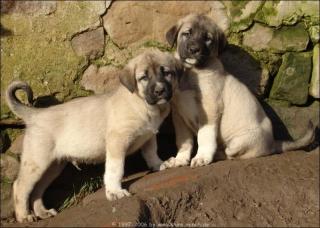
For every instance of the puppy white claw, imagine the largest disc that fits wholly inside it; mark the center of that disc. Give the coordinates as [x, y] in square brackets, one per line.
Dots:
[116, 194]
[174, 162]
[200, 161]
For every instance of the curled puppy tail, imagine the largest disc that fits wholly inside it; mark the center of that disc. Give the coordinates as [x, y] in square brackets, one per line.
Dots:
[16, 106]
[283, 146]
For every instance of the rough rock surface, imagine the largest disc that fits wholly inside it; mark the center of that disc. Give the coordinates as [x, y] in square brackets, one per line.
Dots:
[34, 8]
[89, 44]
[292, 81]
[314, 89]
[279, 190]
[242, 13]
[138, 21]
[39, 52]
[265, 36]
[9, 167]
[100, 80]
[261, 38]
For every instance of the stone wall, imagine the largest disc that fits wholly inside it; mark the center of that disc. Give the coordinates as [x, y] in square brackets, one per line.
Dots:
[65, 49]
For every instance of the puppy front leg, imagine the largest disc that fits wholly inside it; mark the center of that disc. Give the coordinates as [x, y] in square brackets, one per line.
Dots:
[150, 155]
[114, 169]
[207, 145]
[184, 142]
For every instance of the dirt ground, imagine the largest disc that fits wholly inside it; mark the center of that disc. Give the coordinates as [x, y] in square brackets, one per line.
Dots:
[279, 190]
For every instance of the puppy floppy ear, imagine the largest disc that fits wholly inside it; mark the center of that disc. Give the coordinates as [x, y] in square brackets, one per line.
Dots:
[127, 78]
[179, 69]
[171, 35]
[221, 41]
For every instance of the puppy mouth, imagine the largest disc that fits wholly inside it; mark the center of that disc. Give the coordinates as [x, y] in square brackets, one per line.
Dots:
[162, 101]
[152, 100]
[157, 101]
[191, 61]
[197, 61]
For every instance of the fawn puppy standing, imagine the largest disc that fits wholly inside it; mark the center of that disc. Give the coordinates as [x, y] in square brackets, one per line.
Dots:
[93, 129]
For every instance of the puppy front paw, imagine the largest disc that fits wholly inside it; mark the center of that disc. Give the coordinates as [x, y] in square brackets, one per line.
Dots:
[200, 161]
[174, 162]
[157, 166]
[26, 218]
[46, 213]
[116, 194]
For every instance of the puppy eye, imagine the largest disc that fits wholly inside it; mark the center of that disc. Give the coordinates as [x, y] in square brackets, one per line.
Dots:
[186, 34]
[144, 78]
[167, 75]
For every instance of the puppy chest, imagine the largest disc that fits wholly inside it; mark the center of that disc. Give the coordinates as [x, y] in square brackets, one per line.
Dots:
[187, 107]
[139, 141]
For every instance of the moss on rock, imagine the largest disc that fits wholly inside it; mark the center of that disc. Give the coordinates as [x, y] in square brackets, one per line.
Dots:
[39, 50]
[292, 81]
[242, 13]
[277, 13]
[289, 38]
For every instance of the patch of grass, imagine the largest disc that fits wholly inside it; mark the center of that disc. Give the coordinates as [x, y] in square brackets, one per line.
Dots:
[87, 188]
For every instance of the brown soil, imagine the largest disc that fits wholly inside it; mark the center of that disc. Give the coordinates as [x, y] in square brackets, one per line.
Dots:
[279, 190]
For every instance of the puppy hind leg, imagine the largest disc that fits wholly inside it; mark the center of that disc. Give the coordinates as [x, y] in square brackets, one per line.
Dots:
[237, 147]
[36, 198]
[29, 174]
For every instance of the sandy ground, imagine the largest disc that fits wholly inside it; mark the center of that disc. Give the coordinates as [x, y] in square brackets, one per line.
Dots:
[279, 190]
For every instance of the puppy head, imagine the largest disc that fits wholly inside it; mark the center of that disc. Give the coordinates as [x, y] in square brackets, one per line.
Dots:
[153, 75]
[198, 38]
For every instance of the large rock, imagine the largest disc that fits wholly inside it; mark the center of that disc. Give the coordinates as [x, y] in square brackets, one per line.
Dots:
[292, 81]
[242, 13]
[238, 193]
[243, 66]
[39, 50]
[276, 13]
[9, 167]
[289, 38]
[314, 83]
[260, 38]
[100, 80]
[89, 44]
[139, 21]
[6, 202]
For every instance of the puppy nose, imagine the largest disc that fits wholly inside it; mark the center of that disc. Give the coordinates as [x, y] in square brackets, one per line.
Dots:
[158, 90]
[194, 49]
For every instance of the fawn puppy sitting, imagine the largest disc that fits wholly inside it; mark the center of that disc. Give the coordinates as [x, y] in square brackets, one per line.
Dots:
[214, 105]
